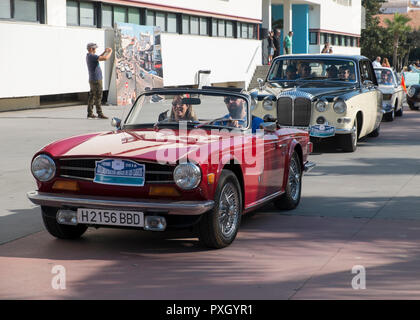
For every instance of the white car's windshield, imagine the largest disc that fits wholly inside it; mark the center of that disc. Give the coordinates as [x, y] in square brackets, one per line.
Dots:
[160, 109]
[384, 77]
[340, 70]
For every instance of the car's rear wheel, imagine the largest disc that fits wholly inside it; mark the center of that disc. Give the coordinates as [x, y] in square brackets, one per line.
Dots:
[291, 197]
[219, 226]
[61, 231]
[348, 142]
[412, 107]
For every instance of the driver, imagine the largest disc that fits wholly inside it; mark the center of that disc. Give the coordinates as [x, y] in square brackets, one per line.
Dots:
[237, 111]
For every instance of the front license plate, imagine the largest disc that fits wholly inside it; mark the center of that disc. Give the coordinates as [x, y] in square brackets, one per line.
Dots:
[110, 217]
[322, 131]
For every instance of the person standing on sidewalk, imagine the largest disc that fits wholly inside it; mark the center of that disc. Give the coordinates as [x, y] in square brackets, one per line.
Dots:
[276, 42]
[95, 79]
[270, 39]
[288, 43]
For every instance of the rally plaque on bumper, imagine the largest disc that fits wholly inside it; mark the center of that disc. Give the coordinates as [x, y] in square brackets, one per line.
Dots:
[110, 217]
[322, 131]
[120, 172]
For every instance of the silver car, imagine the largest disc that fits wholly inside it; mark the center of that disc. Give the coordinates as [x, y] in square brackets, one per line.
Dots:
[392, 92]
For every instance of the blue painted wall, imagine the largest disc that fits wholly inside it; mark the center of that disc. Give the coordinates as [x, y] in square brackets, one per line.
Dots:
[300, 26]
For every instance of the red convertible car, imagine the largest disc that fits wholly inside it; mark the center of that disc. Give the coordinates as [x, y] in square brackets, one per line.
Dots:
[181, 158]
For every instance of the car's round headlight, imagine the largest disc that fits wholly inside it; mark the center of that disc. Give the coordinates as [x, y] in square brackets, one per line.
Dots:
[321, 106]
[411, 92]
[43, 168]
[340, 106]
[187, 176]
[268, 104]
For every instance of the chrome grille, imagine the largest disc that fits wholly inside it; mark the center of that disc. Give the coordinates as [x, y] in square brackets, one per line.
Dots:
[294, 111]
[84, 169]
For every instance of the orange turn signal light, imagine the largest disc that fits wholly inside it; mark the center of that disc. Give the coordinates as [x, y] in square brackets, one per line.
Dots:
[210, 178]
[66, 185]
[163, 191]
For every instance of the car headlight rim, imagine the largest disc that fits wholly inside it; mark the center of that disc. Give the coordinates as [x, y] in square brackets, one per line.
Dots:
[43, 168]
[187, 176]
[321, 106]
[411, 92]
[340, 107]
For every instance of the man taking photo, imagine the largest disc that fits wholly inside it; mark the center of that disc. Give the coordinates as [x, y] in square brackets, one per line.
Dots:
[95, 79]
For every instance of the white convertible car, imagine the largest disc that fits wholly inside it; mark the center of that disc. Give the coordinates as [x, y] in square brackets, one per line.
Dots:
[392, 91]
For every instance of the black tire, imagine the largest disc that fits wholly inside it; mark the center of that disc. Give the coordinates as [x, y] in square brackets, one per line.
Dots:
[348, 142]
[412, 107]
[211, 227]
[375, 133]
[57, 230]
[399, 113]
[290, 199]
[390, 116]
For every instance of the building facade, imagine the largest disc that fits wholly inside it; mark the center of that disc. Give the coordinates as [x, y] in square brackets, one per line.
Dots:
[44, 41]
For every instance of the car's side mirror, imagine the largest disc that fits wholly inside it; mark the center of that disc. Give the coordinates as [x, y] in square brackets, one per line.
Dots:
[260, 83]
[368, 83]
[269, 126]
[115, 122]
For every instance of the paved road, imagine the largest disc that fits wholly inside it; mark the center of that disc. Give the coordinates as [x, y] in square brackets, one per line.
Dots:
[357, 208]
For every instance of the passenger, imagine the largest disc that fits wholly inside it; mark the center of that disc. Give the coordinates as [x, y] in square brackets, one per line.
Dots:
[386, 77]
[344, 73]
[291, 72]
[237, 111]
[332, 72]
[180, 111]
[304, 70]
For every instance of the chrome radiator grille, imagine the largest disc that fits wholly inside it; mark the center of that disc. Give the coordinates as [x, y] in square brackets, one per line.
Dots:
[84, 169]
[294, 111]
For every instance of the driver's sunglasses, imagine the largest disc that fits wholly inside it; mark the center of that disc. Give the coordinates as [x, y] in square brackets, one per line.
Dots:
[228, 99]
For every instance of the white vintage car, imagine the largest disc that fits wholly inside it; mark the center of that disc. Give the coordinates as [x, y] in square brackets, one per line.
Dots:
[329, 95]
[392, 92]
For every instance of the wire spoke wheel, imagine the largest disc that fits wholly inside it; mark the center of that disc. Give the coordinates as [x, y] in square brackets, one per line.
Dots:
[228, 212]
[294, 179]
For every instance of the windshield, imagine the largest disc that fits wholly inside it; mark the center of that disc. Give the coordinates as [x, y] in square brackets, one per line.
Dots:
[287, 70]
[384, 77]
[162, 109]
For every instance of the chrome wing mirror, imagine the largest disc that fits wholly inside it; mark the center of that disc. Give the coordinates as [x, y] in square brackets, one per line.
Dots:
[260, 83]
[116, 123]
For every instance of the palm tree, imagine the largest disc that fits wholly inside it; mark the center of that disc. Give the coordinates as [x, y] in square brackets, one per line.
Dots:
[397, 27]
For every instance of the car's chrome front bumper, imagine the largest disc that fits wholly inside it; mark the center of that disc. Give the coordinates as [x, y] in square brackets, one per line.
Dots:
[79, 201]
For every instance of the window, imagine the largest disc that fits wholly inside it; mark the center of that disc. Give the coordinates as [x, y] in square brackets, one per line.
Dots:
[313, 38]
[22, 10]
[5, 10]
[221, 28]
[194, 25]
[250, 31]
[172, 22]
[214, 27]
[72, 13]
[185, 24]
[107, 16]
[120, 14]
[244, 28]
[87, 14]
[229, 29]
[81, 13]
[160, 21]
[203, 27]
[134, 15]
